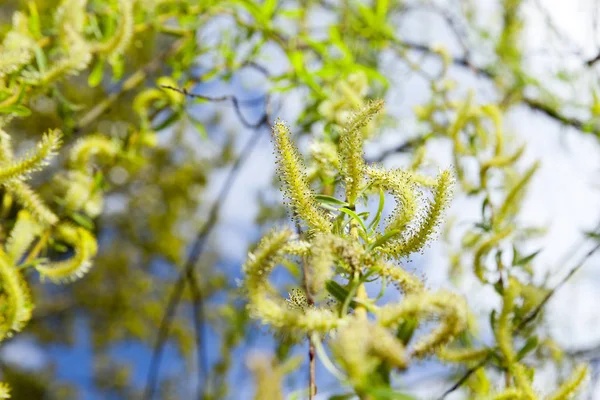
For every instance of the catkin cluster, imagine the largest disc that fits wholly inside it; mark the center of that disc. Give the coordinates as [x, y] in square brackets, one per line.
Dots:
[342, 247]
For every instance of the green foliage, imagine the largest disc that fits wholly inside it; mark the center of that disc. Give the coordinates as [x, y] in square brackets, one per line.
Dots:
[116, 183]
[344, 245]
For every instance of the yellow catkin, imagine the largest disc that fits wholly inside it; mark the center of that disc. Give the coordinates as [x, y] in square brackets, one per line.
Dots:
[461, 355]
[45, 150]
[351, 149]
[408, 282]
[92, 146]
[85, 248]
[449, 308]
[483, 249]
[18, 306]
[4, 391]
[424, 231]
[21, 237]
[571, 385]
[31, 201]
[296, 187]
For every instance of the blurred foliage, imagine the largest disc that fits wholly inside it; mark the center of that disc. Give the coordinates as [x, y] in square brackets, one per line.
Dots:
[105, 155]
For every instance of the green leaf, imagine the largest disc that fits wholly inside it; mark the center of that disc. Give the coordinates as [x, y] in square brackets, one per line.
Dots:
[83, 221]
[118, 67]
[529, 345]
[323, 198]
[336, 290]
[339, 292]
[498, 359]
[486, 208]
[18, 110]
[268, 8]
[40, 58]
[493, 320]
[375, 223]
[524, 260]
[33, 21]
[382, 240]
[499, 288]
[199, 127]
[406, 330]
[173, 118]
[96, 75]
[353, 215]
[345, 396]
[385, 393]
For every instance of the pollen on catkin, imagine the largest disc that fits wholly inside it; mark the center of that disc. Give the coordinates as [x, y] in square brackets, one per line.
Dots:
[296, 188]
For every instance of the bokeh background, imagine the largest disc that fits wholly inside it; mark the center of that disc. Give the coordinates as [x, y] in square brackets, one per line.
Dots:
[94, 339]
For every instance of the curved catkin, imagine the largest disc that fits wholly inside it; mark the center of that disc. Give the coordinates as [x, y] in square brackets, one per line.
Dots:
[449, 308]
[408, 282]
[84, 247]
[274, 311]
[45, 150]
[263, 259]
[17, 305]
[267, 376]
[387, 347]
[31, 201]
[483, 249]
[503, 330]
[293, 177]
[351, 149]
[360, 346]
[571, 385]
[351, 348]
[511, 202]
[321, 262]
[119, 42]
[277, 314]
[425, 230]
[85, 149]
[21, 237]
[462, 355]
[403, 188]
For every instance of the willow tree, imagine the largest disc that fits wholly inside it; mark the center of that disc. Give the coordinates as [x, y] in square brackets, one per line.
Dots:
[107, 108]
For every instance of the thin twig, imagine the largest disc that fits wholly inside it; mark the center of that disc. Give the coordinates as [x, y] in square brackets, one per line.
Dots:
[234, 100]
[200, 328]
[552, 292]
[466, 376]
[403, 147]
[312, 378]
[525, 321]
[194, 255]
[533, 104]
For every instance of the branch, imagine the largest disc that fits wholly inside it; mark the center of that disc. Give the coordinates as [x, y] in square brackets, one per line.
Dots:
[200, 328]
[312, 376]
[526, 320]
[466, 376]
[404, 147]
[533, 104]
[552, 292]
[198, 247]
[234, 100]
[593, 61]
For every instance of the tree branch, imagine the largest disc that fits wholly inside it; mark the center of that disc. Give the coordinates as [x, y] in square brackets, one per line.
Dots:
[526, 320]
[198, 247]
[533, 104]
